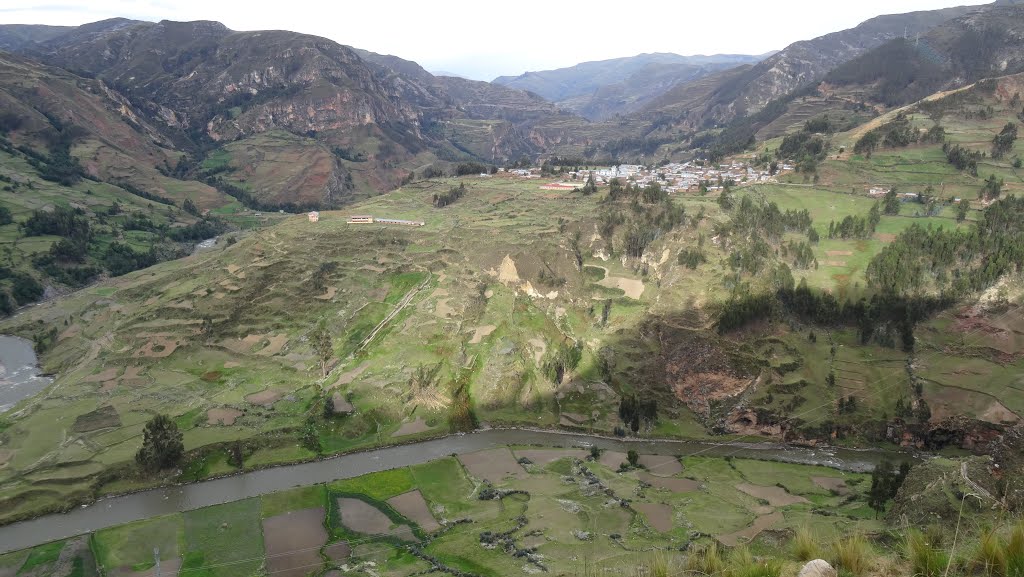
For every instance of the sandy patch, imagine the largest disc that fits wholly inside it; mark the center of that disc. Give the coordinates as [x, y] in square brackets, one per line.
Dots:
[417, 426]
[292, 542]
[835, 263]
[443, 310]
[151, 301]
[349, 376]
[659, 516]
[481, 332]
[885, 236]
[331, 291]
[274, 346]
[831, 484]
[158, 348]
[507, 272]
[341, 406]
[376, 269]
[839, 252]
[633, 288]
[108, 386]
[661, 465]
[232, 365]
[612, 459]
[233, 268]
[219, 296]
[673, 484]
[5, 455]
[999, 414]
[69, 332]
[492, 464]
[776, 496]
[414, 507]
[361, 517]
[240, 346]
[106, 375]
[184, 305]
[264, 398]
[223, 416]
[751, 532]
[539, 348]
[545, 456]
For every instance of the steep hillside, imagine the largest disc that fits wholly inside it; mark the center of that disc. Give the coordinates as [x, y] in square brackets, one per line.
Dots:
[204, 86]
[983, 44]
[86, 189]
[800, 63]
[604, 88]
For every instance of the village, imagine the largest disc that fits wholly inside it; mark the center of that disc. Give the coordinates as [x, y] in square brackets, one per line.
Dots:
[692, 176]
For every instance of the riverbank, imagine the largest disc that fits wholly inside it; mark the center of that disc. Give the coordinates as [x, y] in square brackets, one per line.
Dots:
[118, 510]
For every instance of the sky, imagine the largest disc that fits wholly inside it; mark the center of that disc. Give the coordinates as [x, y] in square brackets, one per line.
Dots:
[481, 40]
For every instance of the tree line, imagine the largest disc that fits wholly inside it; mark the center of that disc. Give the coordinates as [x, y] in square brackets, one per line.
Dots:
[953, 261]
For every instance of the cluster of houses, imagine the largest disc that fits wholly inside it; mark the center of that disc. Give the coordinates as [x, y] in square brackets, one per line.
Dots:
[674, 177]
[314, 216]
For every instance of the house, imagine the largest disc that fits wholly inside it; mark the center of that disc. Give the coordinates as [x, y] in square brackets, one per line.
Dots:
[314, 216]
[399, 221]
[360, 219]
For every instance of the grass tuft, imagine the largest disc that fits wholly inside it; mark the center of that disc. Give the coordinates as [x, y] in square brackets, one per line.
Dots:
[852, 554]
[989, 556]
[804, 546]
[707, 560]
[925, 560]
[1015, 551]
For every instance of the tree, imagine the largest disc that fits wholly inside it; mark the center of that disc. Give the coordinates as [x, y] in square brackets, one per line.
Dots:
[892, 202]
[190, 207]
[162, 445]
[633, 458]
[962, 209]
[992, 188]
[323, 346]
[881, 485]
[1003, 142]
[924, 412]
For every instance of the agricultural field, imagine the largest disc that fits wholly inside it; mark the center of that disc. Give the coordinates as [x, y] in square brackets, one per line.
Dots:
[563, 508]
[435, 329]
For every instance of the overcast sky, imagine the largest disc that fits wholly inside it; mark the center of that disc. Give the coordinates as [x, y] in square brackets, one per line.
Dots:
[481, 39]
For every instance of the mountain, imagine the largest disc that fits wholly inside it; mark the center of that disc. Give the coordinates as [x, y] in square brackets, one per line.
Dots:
[18, 36]
[960, 51]
[85, 185]
[207, 87]
[603, 88]
[747, 91]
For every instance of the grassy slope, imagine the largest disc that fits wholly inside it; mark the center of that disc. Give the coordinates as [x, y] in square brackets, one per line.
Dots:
[260, 298]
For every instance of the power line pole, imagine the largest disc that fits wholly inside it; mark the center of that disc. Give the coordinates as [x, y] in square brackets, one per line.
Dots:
[156, 560]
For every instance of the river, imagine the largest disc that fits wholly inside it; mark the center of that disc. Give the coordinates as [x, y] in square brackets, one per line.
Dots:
[124, 509]
[19, 372]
